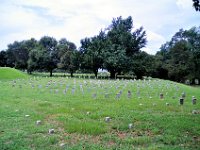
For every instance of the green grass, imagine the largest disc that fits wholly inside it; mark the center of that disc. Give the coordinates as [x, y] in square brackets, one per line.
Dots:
[154, 126]
[10, 73]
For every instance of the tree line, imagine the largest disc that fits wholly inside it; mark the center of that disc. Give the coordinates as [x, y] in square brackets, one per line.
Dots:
[117, 49]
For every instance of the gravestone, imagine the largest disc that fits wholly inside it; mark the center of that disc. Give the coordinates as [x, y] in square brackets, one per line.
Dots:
[62, 145]
[129, 94]
[64, 92]
[161, 96]
[196, 81]
[183, 95]
[194, 100]
[51, 131]
[107, 119]
[118, 96]
[38, 122]
[194, 112]
[138, 93]
[181, 100]
[73, 90]
[130, 125]
[187, 82]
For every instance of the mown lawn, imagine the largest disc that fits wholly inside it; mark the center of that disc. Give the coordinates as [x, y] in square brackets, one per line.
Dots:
[76, 110]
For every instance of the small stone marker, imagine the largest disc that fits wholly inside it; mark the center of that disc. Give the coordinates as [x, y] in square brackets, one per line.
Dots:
[161, 96]
[196, 81]
[130, 125]
[107, 119]
[51, 131]
[129, 94]
[27, 115]
[183, 95]
[194, 100]
[38, 122]
[88, 113]
[62, 144]
[73, 90]
[181, 101]
[167, 104]
[118, 96]
[194, 112]
[94, 95]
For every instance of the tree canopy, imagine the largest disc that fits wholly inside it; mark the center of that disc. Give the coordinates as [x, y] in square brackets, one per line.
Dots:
[117, 49]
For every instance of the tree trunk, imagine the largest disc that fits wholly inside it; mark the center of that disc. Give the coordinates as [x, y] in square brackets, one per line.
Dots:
[95, 73]
[112, 74]
[71, 73]
[51, 72]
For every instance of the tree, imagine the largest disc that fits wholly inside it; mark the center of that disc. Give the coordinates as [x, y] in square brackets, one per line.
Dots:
[3, 59]
[180, 57]
[69, 56]
[49, 53]
[142, 64]
[122, 44]
[196, 5]
[18, 54]
[92, 52]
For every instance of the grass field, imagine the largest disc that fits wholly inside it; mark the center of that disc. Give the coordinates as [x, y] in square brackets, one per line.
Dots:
[76, 110]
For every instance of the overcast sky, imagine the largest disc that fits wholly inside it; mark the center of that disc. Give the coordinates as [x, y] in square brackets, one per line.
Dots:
[77, 19]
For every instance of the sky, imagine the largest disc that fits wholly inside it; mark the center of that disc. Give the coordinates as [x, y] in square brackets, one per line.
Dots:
[77, 19]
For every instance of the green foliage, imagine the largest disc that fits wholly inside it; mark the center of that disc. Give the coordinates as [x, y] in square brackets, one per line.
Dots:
[113, 48]
[122, 44]
[3, 59]
[180, 57]
[69, 56]
[196, 5]
[92, 50]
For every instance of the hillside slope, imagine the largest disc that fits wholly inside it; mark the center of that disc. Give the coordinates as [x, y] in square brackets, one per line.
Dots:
[11, 73]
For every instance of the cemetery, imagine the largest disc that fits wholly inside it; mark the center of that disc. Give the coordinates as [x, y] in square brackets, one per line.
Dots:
[77, 113]
[98, 75]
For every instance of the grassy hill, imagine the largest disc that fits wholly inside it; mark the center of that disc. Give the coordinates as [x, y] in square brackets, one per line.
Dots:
[11, 73]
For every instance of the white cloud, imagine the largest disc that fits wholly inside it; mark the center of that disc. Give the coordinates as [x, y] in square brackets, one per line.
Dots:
[184, 4]
[75, 19]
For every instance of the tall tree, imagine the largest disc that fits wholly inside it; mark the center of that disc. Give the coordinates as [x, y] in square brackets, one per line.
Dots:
[49, 52]
[181, 55]
[92, 51]
[18, 54]
[122, 43]
[69, 57]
